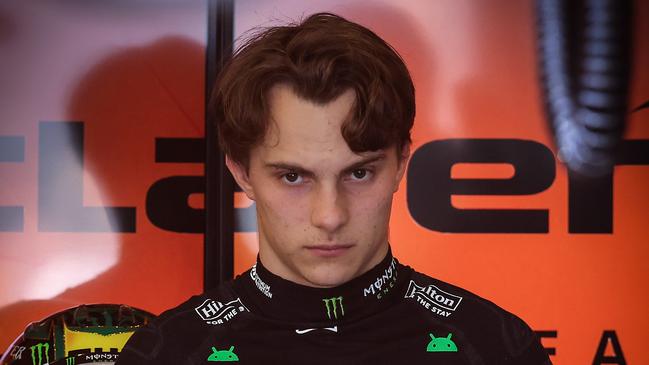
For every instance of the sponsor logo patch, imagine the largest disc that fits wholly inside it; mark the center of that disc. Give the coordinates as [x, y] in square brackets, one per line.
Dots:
[223, 355]
[382, 284]
[261, 285]
[433, 298]
[335, 307]
[441, 344]
[40, 353]
[307, 330]
[215, 312]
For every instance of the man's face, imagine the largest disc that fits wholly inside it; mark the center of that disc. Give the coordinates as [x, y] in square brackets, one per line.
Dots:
[322, 210]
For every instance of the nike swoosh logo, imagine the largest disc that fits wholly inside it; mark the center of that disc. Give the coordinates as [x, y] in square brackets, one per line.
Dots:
[307, 330]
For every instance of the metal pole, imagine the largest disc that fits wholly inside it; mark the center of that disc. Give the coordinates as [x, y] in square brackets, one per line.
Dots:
[219, 189]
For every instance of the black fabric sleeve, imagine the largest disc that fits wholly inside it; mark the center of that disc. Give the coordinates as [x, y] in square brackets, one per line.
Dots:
[143, 347]
[522, 344]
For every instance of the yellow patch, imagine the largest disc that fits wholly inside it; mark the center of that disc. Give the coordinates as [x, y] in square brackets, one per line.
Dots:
[79, 340]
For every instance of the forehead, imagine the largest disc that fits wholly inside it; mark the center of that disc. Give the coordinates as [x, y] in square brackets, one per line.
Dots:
[292, 117]
[306, 132]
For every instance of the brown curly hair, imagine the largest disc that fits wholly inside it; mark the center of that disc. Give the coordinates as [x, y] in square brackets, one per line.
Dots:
[320, 58]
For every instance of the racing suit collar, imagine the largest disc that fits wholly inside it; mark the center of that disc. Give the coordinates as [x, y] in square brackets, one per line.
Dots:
[277, 298]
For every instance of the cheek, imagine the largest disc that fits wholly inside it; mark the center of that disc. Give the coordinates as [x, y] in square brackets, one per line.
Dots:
[281, 208]
[373, 205]
[284, 221]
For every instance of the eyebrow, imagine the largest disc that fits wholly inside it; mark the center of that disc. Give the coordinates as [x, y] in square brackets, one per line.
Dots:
[304, 171]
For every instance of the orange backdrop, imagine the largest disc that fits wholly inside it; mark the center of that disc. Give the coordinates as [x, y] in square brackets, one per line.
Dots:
[88, 91]
[133, 75]
[474, 68]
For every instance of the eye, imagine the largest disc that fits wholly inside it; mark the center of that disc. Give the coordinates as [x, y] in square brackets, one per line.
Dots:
[292, 178]
[360, 174]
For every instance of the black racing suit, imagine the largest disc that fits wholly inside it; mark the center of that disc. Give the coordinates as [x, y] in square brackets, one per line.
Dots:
[389, 315]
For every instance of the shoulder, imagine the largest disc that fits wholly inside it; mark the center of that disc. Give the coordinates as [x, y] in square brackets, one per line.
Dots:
[451, 301]
[173, 335]
[484, 324]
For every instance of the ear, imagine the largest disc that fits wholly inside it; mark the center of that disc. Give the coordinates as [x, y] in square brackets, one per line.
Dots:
[240, 174]
[402, 163]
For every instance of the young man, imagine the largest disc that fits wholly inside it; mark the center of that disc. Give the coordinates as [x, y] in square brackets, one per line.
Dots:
[315, 122]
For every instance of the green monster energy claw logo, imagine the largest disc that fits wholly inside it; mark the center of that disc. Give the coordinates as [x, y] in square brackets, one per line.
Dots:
[40, 349]
[333, 304]
[69, 361]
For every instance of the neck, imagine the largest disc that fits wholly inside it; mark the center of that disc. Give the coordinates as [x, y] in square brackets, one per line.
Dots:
[285, 300]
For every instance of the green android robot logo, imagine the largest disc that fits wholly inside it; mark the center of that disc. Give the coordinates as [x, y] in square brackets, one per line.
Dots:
[441, 344]
[223, 355]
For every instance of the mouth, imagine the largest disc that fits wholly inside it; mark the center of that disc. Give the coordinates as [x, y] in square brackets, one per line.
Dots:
[328, 251]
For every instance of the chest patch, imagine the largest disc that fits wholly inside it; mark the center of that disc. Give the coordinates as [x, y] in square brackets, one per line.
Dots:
[215, 312]
[433, 298]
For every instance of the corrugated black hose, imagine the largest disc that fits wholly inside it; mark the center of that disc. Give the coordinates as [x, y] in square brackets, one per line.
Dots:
[585, 62]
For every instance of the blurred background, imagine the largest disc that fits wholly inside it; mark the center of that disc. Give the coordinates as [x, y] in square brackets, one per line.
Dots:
[102, 174]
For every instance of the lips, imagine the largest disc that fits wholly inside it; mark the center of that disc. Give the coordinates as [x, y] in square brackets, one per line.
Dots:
[328, 250]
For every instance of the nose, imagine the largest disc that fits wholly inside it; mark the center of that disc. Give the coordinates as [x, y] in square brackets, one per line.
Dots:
[329, 208]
